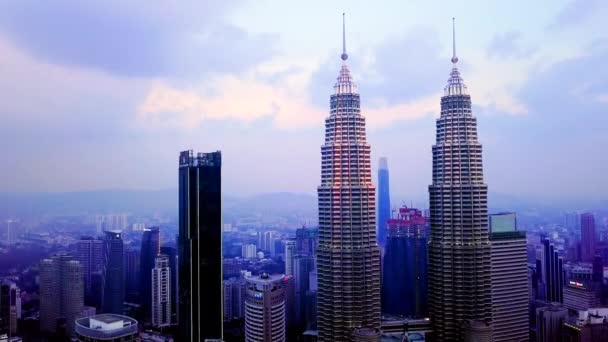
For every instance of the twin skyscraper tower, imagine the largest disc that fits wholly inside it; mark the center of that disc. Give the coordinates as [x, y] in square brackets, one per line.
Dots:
[348, 255]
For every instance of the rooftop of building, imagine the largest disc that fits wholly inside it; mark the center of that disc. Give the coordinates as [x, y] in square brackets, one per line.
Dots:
[266, 278]
[106, 326]
[365, 331]
[187, 158]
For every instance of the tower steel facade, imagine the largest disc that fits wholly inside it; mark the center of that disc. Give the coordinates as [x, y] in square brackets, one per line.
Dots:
[348, 255]
[459, 247]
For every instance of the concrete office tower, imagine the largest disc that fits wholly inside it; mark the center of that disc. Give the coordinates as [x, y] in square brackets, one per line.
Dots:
[581, 295]
[171, 253]
[132, 281]
[10, 307]
[384, 201]
[200, 246]
[587, 237]
[404, 276]
[89, 252]
[113, 274]
[106, 327]
[509, 280]
[348, 257]
[459, 247]
[150, 248]
[265, 308]
[161, 292]
[234, 298]
[248, 251]
[551, 280]
[61, 292]
[290, 253]
[549, 321]
[290, 307]
[589, 326]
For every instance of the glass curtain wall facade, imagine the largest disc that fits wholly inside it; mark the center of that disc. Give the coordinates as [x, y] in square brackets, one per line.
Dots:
[200, 246]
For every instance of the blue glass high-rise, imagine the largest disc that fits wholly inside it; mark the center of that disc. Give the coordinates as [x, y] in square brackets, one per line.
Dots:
[384, 201]
[404, 276]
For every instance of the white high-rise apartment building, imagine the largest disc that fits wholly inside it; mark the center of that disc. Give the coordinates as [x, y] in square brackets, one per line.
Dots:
[161, 292]
[290, 253]
[248, 251]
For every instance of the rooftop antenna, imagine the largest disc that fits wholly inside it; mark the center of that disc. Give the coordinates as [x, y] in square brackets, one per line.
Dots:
[454, 58]
[344, 55]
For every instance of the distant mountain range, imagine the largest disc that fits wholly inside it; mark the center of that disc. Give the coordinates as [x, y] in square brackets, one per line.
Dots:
[267, 204]
[146, 202]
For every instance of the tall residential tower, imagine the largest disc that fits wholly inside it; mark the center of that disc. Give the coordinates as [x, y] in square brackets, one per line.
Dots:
[587, 237]
[348, 255]
[61, 292]
[459, 247]
[160, 304]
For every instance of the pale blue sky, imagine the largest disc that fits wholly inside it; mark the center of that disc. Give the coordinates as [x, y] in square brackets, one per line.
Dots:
[104, 94]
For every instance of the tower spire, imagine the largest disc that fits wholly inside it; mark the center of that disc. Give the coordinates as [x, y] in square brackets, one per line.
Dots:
[454, 58]
[344, 55]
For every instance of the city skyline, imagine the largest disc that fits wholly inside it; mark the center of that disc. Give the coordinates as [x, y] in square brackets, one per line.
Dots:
[358, 263]
[519, 72]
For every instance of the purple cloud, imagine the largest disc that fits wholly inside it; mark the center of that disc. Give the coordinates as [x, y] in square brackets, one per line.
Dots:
[576, 13]
[134, 38]
[508, 45]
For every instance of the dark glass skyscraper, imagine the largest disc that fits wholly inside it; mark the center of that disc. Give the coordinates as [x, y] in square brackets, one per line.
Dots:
[404, 276]
[132, 280]
[113, 274]
[550, 273]
[89, 252]
[200, 246]
[459, 247]
[150, 248]
[384, 201]
[587, 237]
[348, 257]
[10, 307]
